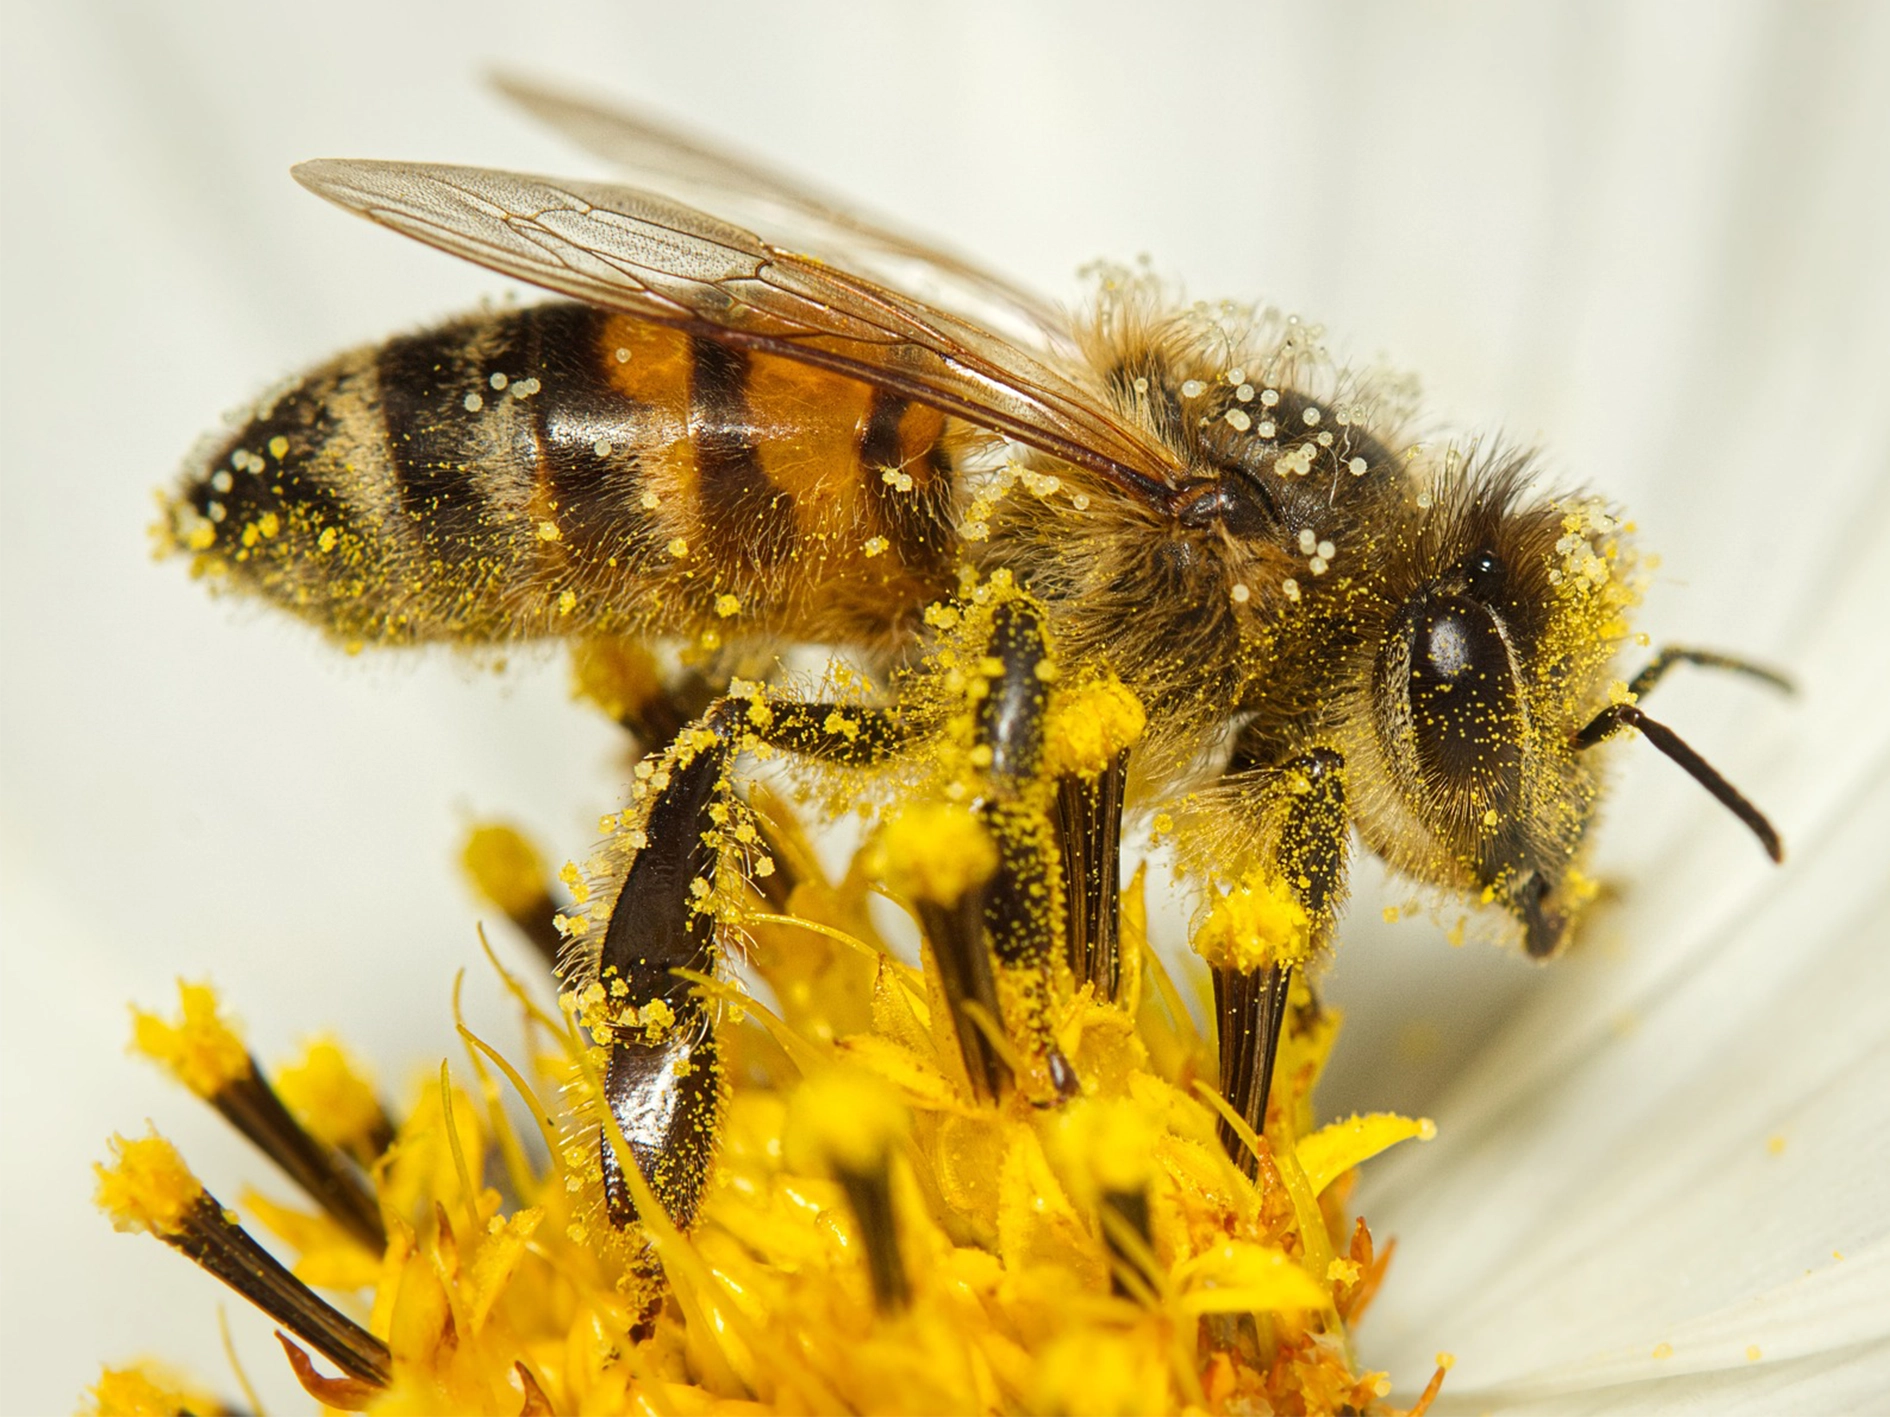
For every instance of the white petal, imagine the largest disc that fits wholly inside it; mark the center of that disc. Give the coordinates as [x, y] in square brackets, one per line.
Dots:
[1668, 1144]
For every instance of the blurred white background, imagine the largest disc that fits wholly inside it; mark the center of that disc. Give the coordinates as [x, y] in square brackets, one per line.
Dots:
[1651, 236]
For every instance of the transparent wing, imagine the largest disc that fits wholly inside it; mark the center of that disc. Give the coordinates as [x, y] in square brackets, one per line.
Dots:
[634, 251]
[796, 216]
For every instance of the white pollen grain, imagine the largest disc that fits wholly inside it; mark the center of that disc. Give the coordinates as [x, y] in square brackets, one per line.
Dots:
[1327, 550]
[1193, 389]
[1308, 541]
[601, 447]
[1358, 467]
[1266, 428]
[1317, 565]
[1244, 393]
[498, 381]
[1237, 419]
[623, 355]
[1240, 593]
[1291, 587]
[1269, 397]
[221, 481]
[473, 403]
[1311, 415]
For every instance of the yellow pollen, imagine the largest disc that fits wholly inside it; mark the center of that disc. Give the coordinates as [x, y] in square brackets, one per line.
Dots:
[147, 1187]
[1088, 726]
[1256, 923]
[935, 852]
[201, 1049]
[504, 867]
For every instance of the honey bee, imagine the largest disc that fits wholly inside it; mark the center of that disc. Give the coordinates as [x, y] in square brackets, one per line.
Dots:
[1149, 536]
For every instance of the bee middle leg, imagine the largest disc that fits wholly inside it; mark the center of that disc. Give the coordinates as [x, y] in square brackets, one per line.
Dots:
[1304, 848]
[1023, 913]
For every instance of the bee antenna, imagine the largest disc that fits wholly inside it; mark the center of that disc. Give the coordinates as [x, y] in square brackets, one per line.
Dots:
[1615, 717]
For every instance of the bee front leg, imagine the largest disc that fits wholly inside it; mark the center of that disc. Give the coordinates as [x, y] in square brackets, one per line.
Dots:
[662, 1080]
[1304, 827]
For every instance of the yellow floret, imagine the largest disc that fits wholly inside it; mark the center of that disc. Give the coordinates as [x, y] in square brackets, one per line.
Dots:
[1333, 1150]
[1239, 1277]
[1109, 1143]
[201, 1049]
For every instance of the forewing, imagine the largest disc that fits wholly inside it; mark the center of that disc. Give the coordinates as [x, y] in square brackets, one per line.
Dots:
[795, 214]
[630, 250]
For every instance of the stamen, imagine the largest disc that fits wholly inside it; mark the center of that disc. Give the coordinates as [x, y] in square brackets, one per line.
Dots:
[149, 1188]
[852, 1123]
[1250, 1005]
[202, 1051]
[939, 858]
[1129, 1237]
[508, 873]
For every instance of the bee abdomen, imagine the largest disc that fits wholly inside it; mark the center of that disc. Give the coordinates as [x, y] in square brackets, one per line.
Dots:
[560, 469]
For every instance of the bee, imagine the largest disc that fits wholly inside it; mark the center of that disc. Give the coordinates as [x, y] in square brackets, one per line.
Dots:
[1146, 551]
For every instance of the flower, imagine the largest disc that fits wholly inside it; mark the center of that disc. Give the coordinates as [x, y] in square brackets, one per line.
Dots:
[875, 1237]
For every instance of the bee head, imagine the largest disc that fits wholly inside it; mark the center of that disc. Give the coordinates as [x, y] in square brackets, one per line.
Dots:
[1500, 622]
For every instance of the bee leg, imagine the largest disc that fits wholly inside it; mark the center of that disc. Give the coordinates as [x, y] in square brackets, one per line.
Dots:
[1306, 825]
[1089, 835]
[662, 1081]
[1022, 904]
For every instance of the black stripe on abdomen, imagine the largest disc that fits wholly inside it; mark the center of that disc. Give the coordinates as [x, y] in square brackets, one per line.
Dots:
[587, 433]
[271, 466]
[915, 521]
[742, 513]
[447, 430]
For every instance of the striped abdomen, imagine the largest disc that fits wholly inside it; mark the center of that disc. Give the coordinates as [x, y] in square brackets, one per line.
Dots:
[564, 470]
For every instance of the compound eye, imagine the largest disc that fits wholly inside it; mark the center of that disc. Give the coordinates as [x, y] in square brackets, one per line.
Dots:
[1465, 710]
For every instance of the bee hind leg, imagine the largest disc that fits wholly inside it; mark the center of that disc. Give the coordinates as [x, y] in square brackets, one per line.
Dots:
[662, 1080]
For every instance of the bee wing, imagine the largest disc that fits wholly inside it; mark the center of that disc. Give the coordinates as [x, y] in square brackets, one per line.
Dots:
[647, 149]
[625, 249]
